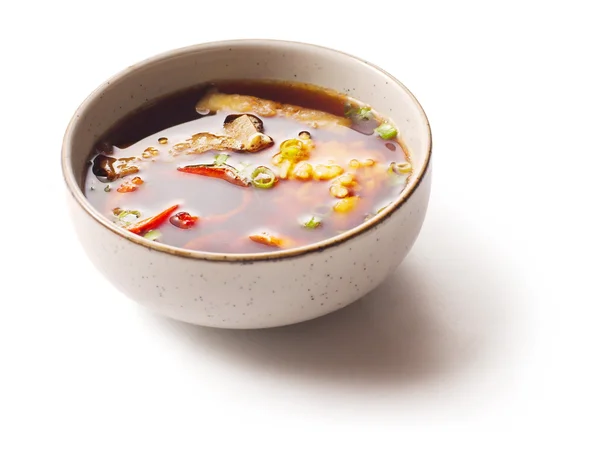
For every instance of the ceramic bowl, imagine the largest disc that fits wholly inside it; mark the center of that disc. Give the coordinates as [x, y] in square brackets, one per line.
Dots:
[249, 290]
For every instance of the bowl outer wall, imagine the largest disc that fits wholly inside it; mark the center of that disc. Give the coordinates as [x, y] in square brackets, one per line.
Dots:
[238, 292]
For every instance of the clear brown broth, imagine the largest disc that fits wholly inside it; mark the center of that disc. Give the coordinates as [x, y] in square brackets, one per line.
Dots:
[227, 213]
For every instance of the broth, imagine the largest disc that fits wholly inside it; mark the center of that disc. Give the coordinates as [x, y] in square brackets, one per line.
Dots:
[327, 164]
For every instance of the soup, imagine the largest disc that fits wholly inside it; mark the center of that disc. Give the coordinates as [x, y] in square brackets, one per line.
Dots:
[247, 167]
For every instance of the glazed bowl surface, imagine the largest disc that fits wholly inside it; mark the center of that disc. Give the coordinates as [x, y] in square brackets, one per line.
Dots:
[249, 290]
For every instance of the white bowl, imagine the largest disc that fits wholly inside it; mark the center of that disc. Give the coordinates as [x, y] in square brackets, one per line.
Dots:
[249, 290]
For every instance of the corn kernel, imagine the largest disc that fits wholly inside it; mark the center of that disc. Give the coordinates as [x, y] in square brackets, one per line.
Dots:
[339, 191]
[347, 180]
[368, 163]
[322, 172]
[354, 163]
[303, 171]
[284, 169]
[345, 205]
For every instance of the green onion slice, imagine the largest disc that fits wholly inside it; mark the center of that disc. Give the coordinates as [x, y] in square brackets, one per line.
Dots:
[127, 212]
[263, 177]
[358, 113]
[153, 235]
[221, 158]
[312, 223]
[386, 131]
[291, 149]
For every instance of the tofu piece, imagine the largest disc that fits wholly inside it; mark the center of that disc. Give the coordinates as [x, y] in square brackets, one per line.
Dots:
[216, 101]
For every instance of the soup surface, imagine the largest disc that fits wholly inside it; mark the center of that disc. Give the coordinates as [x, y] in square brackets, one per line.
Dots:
[247, 167]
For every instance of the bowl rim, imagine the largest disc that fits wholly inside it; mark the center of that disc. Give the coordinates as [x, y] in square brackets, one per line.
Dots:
[73, 187]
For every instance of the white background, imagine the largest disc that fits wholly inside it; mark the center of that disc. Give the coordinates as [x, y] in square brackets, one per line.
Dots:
[486, 337]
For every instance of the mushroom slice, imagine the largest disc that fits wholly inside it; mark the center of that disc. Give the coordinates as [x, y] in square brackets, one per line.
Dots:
[247, 129]
[243, 133]
[107, 168]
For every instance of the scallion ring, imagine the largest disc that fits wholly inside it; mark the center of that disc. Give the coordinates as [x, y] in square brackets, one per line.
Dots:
[386, 131]
[263, 177]
[291, 149]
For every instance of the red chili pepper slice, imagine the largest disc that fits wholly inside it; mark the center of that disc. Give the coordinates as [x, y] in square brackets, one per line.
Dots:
[183, 220]
[222, 171]
[151, 222]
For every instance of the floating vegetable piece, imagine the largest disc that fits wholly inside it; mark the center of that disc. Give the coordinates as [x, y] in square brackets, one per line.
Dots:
[345, 205]
[386, 131]
[263, 177]
[153, 235]
[303, 171]
[284, 169]
[222, 171]
[267, 239]
[400, 168]
[327, 172]
[312, 223]
[242, 133]
[123, 217]
[358, 113]
[339, 191]
[183, 220]
[294, 150]
[221, 158]
[247, 129]
[216, 101]
[151, 222]
[104, 168]
[107, 168]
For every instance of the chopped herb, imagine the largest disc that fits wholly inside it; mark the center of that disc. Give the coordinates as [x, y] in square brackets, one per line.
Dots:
[386, 131]
[358, 113]
[153, 235]
[364, 113]
[221, 158]
[121, 214]
[263, 177]
[313, 223]
[107, 188]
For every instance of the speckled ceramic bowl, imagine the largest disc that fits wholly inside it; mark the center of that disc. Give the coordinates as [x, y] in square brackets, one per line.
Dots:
[249, 290]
